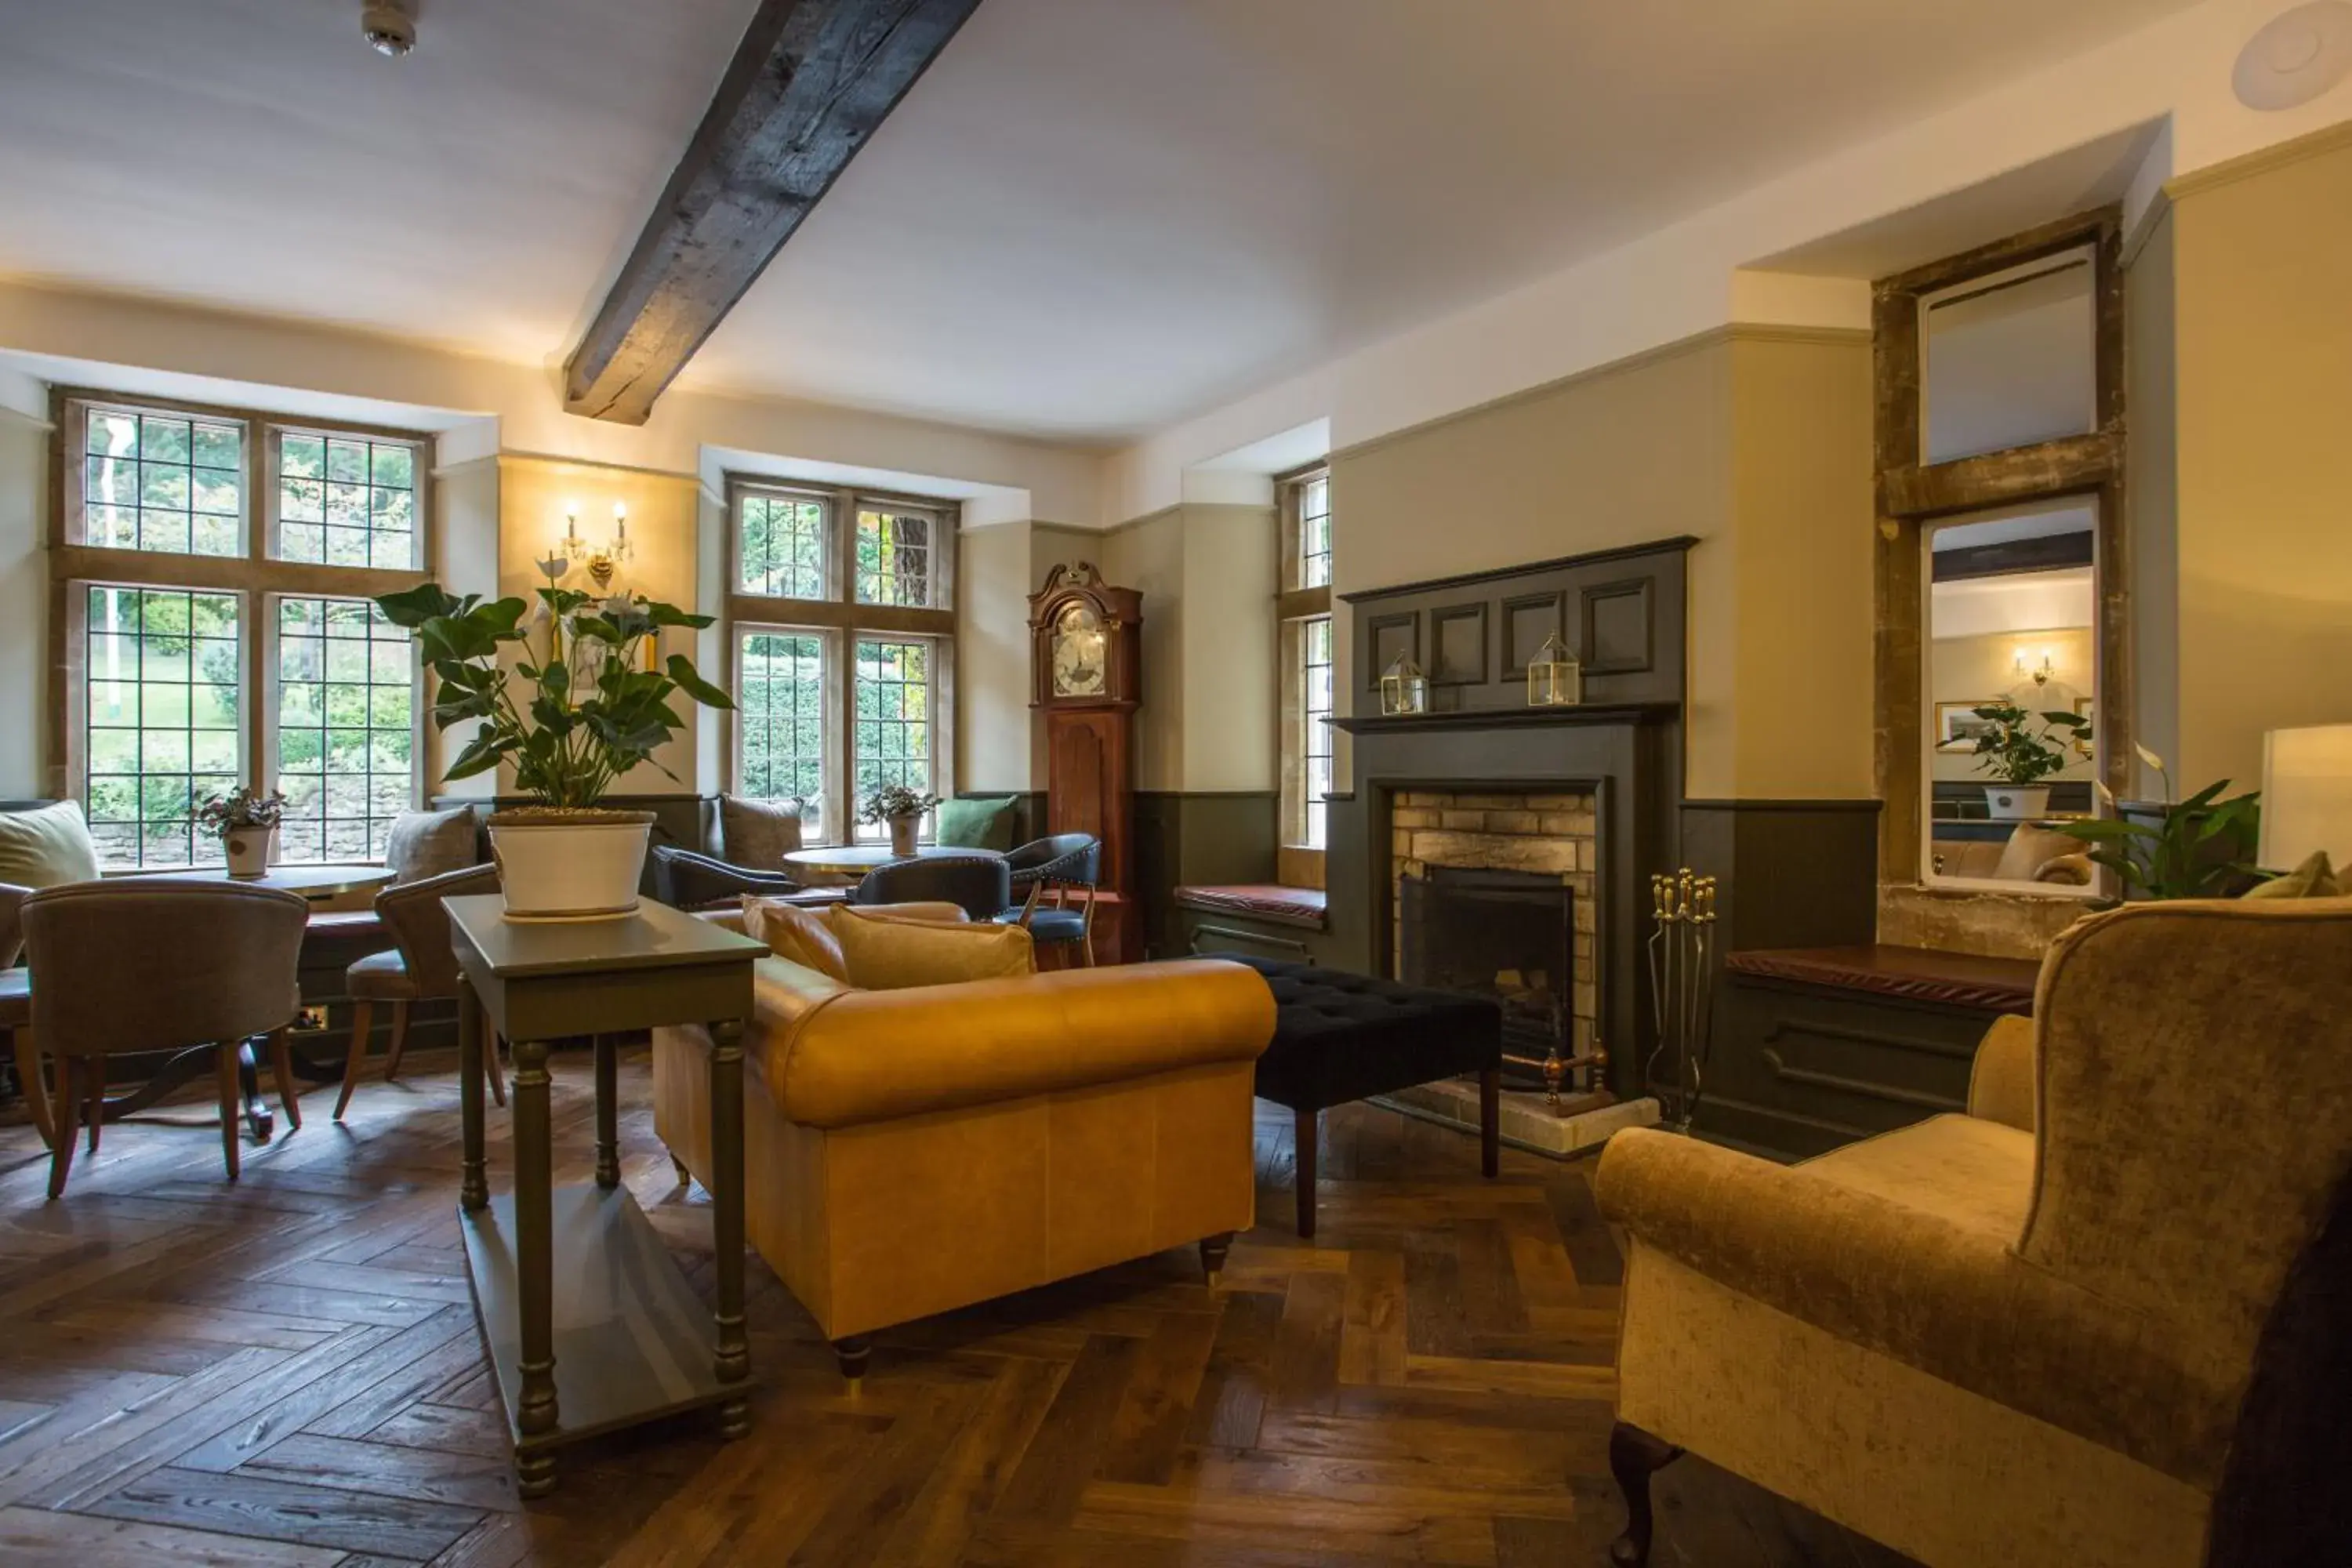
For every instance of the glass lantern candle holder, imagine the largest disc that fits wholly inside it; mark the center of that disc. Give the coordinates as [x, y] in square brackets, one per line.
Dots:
[1404, 689]
[1555, 677]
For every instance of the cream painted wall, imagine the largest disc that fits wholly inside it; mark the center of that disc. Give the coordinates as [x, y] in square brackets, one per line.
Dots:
[1229, 648]
[466, 516]
[663, 516]
[24, 599]
[2152, 500]
[992, 582]
[1756, 442]
[1148, 555]
[2264, 362]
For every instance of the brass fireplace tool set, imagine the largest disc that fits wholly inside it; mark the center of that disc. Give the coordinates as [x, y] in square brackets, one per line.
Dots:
[1682, 944]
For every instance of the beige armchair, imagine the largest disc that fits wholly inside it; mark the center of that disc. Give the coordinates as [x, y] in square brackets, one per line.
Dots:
[2024, 1335]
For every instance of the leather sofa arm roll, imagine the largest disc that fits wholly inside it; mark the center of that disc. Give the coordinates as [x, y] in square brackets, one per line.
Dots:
[2001, 1083]
[837, 1057]
[1954, 1303]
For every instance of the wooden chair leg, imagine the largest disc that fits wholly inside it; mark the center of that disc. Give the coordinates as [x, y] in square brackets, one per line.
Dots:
[61, 1143]
[231, 1102]
[29, 1085]
[490, 1059]
[399, 1041]
[282, 1068]
[363, 1024]
[1633, 1456]
[96, 1111]
[1304, 1164]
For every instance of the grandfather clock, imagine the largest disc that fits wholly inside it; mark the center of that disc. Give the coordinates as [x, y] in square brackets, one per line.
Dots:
[1088, 640]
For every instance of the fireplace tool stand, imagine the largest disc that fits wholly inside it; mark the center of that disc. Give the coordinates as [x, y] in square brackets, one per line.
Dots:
[1682, 990]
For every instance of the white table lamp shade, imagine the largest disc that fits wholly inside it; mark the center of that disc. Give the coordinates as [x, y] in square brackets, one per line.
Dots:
[2306, 796]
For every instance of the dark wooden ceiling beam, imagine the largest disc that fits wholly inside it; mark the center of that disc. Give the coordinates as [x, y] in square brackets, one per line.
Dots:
[809, 84]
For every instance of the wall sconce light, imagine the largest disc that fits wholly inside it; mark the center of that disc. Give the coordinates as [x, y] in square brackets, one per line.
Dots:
[600, 563]
[2040, 673]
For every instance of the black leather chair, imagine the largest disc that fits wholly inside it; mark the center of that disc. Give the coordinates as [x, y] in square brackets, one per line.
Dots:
[1056, 865]
[685, 881]
[981, 882]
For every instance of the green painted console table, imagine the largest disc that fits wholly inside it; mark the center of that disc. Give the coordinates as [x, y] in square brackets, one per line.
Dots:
[624, 1339]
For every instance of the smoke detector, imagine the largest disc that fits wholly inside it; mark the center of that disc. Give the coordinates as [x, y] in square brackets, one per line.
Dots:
[388, 27]
[2297, 56]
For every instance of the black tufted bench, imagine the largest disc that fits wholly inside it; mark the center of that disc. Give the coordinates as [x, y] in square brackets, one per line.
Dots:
[1339, 1036]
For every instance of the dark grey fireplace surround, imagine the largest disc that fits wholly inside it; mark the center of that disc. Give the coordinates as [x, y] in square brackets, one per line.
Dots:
[1623, 611]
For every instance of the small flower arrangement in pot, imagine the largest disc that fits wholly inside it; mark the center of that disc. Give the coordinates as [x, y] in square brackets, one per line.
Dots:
[246, 822]
[902, 808]
[2019, 753]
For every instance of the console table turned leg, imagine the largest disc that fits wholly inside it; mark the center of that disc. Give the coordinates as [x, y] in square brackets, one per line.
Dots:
[1304, 1170]
[608, 1111]
[1213, 1249]
[473, 1189]
[1490, 1122]
[534, 1263]
[1633, 1456]
[733, 1360]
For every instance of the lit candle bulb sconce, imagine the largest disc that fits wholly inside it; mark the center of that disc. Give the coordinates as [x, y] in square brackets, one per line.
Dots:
[603, 561]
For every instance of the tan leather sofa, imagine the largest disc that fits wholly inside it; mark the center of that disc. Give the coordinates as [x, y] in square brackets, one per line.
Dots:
[911, 1152]
[2024, 1335]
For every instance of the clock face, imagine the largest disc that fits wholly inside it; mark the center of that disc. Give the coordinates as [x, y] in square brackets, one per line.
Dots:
[1078, 662]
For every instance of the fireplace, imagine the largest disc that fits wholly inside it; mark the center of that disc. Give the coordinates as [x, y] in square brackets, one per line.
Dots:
[1510, 935]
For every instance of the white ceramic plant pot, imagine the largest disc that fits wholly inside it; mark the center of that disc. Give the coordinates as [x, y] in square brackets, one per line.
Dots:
[248, 849]
[562, 865]
[902, 834]
[2016, 802]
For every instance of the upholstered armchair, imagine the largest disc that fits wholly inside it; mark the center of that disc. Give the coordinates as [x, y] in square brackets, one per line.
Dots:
[685, 881]
[421, 967]
[2024, 1335]
[1055, 866]
[978, 884]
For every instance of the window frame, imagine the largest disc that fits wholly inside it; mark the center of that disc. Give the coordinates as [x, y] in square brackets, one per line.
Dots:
[840, 620]
[1914, 496]
[255, 576]
[1298, 863]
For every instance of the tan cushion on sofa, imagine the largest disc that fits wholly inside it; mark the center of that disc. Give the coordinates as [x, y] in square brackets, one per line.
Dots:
[800, 935]
[46, 847]
[2029, 850]
[424, 844]
[2314, 879]
[890, 953]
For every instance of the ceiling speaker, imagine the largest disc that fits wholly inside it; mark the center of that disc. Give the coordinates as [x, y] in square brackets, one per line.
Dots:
[2297, 56]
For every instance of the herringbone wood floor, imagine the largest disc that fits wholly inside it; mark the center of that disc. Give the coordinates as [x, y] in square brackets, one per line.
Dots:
[286, 1372]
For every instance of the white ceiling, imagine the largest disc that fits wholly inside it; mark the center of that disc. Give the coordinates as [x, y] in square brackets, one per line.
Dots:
[1091, 218]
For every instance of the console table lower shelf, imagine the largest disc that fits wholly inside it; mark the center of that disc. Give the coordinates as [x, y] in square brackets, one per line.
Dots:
[633, 1342]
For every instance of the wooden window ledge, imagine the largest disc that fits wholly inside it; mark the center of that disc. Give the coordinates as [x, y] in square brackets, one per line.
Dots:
[1301, 907]
[1908, 974]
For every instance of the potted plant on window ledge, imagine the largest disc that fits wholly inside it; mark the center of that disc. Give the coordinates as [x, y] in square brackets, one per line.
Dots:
[2021, 754]
[902, 808]
[246, 822]
[587, 708]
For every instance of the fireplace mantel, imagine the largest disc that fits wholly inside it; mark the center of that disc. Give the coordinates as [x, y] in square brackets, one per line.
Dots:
[1589, 713]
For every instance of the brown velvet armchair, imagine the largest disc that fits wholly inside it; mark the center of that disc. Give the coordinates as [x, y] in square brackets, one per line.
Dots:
[422, 966]
[2024, 1335]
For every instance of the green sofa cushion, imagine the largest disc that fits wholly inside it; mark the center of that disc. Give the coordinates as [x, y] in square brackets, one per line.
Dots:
[981, 822]
[47, 845]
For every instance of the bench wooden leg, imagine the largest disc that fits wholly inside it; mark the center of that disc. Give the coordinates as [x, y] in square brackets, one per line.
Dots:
[1490, 1122]
[1305, 1164]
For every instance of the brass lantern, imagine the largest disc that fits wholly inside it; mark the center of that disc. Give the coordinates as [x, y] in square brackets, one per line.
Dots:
[1404, 689]
[1555, 679]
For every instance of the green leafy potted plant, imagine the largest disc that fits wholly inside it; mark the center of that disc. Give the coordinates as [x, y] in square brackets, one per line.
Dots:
[2017, 750]
[246, 822]
[899, 807]
[2203, 848]
[578, 709]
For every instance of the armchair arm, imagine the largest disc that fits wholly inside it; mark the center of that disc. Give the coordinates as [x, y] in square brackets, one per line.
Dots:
[1955, 1302]
[2001, 1084]
[839, 1058]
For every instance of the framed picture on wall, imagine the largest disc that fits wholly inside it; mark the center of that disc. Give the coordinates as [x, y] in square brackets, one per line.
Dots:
[2088, 707]
[1958, 726]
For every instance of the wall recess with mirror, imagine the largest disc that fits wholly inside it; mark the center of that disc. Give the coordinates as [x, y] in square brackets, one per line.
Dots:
[2004, 694]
